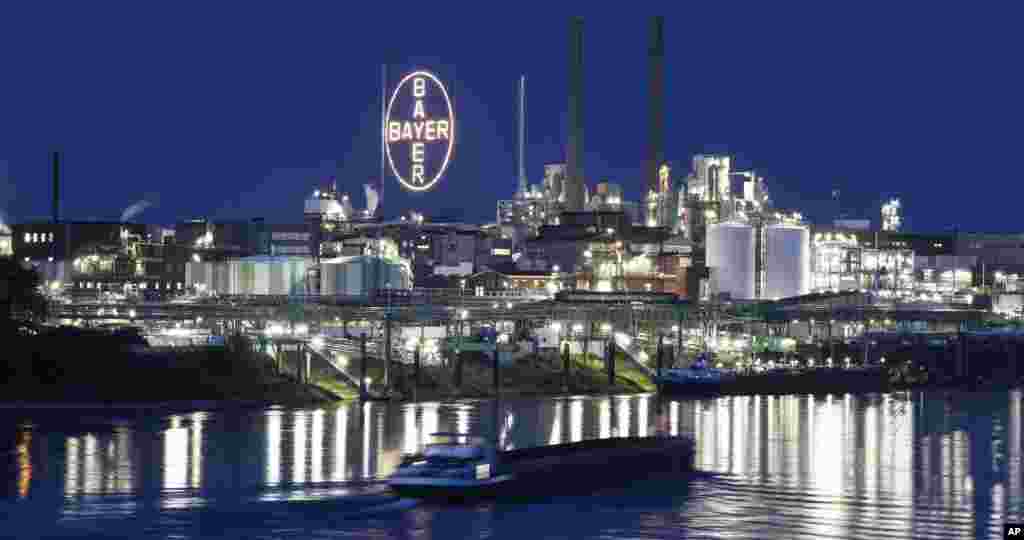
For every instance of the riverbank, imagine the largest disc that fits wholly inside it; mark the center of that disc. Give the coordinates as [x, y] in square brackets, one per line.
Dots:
[530, 376]
[852, 381]
[69, 370]
[823, 381]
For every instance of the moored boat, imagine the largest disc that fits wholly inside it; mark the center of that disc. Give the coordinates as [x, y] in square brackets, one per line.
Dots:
[692, 380]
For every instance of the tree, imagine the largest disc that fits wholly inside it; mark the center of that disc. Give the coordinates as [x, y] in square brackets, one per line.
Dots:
[20, 298]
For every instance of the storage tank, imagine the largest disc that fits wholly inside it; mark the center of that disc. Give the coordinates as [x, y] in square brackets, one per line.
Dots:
[234, 277]
[274, 275]
[730, 256]
[199, 273]
[356, 276]
[787, 261]
[251, 276]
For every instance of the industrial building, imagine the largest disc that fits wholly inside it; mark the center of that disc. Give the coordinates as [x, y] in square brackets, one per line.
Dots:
[6, 247]
[708, 232]
[259, 275]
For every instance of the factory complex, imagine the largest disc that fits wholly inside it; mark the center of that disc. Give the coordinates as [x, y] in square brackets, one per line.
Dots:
[707, 234]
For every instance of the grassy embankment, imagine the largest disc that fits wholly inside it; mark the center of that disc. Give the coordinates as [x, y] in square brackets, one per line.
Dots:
[93, 370]
[531, 376]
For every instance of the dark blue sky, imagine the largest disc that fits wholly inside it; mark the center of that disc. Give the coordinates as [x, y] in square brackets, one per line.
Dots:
[235, 112]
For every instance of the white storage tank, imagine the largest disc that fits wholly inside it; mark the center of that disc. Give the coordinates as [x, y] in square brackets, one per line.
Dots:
[199, 274]
[730, 256]
[251, 276]
[787, 261]
[357, 276]
[274, 275]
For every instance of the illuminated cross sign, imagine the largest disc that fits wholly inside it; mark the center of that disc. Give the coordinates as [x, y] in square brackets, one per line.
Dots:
[420, 130]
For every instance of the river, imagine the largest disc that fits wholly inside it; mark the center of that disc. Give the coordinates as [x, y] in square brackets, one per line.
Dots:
[905, 465]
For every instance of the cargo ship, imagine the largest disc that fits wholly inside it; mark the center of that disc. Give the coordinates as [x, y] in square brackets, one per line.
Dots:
[466, 466]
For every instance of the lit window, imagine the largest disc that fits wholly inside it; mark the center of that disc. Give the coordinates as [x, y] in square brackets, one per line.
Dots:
[35, 238]
[51, 237]
[28, 238]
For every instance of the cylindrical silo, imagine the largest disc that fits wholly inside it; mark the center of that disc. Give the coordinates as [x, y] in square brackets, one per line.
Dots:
[276, 278]
[787, 261]
[730, 256]
[261, 276]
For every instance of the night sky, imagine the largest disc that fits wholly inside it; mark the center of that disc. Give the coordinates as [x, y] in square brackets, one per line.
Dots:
[238, 112]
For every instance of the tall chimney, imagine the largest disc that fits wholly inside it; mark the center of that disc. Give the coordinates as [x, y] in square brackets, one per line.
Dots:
[522, 134]
[56, 186]
[656, 59]
[574, 180]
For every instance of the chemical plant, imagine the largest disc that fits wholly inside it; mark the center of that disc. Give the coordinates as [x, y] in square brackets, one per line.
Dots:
[705, 237]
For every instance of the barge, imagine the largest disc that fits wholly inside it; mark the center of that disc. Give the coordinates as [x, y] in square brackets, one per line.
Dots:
[467, 467]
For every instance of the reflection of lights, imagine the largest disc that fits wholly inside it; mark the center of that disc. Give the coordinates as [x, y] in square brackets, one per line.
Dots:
[71, 476]
[738, 420]
[641, 416]
[196, 461]
[298, 447]
[316, 453]
[556, 425]
[721, 444]
[872, 451]
[124, 464]
[770, 437]
[462, 419]
[23, 448]
[576, 421]
[366, 440]
[272, 473]
[175, 455]
[604, 418]
[410, 440]
[339, 463]
[340, 444]
[430, 420]
[673, 418]
[1013, 439]
[91, 473]
[623, 419]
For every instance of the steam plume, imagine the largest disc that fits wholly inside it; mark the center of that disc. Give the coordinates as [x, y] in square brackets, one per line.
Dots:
[134, 210]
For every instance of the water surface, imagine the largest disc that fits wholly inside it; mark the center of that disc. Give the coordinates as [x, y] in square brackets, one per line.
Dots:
[907, 465]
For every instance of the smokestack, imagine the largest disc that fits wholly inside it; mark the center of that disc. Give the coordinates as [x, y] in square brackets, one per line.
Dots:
[522, 134]
[56, 186]
[574, 180]
[656, 58]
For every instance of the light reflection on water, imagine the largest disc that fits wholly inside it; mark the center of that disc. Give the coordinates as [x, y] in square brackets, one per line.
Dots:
[900, 466]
